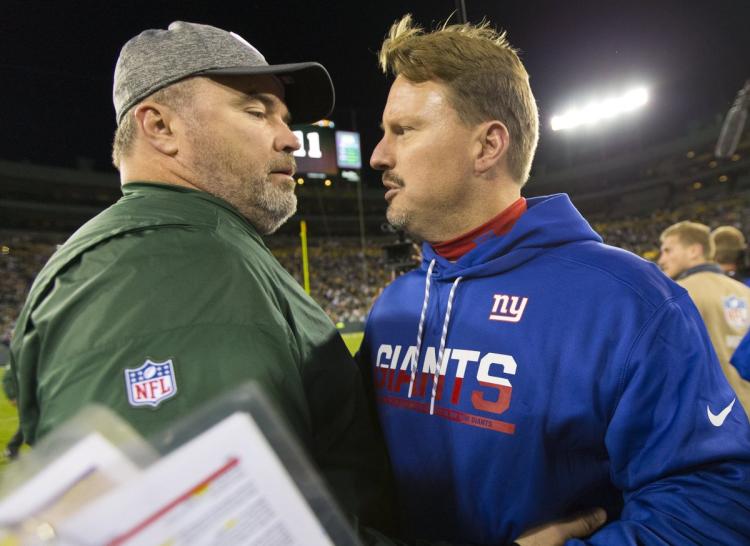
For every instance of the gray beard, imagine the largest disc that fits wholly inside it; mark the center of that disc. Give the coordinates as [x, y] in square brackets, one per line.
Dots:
[270, 207]
[264, 204]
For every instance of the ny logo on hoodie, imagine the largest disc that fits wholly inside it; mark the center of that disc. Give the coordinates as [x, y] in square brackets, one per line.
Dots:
[508, 308]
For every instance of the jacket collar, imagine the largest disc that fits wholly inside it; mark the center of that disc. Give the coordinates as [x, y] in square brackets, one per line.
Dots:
[702, 268]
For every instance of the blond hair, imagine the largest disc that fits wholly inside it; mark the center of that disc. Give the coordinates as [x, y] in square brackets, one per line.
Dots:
[482, 72]
[691, 233]
[176, 96]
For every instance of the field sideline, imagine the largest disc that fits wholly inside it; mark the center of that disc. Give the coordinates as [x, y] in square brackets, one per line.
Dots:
[9, 419]
[353, 341]
[8, 423]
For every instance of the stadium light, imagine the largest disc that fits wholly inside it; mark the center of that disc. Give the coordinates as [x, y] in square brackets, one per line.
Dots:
[594, 112]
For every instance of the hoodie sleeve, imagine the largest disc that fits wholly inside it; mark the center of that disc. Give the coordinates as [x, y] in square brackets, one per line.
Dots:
[678, 440]
[741, 358]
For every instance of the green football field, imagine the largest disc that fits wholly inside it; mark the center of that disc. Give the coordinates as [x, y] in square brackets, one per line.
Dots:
[9, 417]
[353, 340]
[8, 422]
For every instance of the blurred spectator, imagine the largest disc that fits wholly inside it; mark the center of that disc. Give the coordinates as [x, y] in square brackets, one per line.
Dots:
[21, 257]
[724, 304]
[731, 252]
[337, 280]
[639, 234]
[336, 264]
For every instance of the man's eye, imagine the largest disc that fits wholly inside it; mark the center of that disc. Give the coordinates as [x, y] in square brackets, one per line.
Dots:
[257, 113]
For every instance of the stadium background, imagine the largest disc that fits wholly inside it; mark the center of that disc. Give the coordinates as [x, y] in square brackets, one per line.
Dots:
[631, 177]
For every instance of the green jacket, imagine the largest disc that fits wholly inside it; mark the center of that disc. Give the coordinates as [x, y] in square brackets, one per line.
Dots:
[171, 274]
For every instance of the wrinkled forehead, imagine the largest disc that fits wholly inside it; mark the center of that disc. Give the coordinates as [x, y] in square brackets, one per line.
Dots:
[403, 88]
[408, 97]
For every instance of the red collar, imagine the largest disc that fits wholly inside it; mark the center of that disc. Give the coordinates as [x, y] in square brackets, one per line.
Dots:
[500, 225]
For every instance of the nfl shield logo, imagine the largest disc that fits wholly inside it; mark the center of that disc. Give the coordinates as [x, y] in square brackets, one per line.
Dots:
[736, 313]
[150, 384]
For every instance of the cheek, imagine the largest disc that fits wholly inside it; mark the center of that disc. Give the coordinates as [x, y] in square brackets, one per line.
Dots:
[432, 164]
[247, 148]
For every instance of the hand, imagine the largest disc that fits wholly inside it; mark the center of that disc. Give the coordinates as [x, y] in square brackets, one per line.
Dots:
[557, 532]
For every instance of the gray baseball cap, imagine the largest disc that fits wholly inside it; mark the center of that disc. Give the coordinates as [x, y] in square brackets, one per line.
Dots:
[157, 58]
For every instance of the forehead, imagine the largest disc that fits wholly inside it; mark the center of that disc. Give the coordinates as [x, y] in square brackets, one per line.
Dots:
[672, 241]
[407, 98]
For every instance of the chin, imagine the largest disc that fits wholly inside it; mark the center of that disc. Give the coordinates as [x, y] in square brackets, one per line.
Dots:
[268, 226]
[397, 218]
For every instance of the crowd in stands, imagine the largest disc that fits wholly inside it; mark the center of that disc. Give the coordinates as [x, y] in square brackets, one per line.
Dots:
[22, 255]
[338, 280]
[640, 234]
[337, 275]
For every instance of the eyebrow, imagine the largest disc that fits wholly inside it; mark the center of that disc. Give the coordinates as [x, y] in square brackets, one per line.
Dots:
[401, 120]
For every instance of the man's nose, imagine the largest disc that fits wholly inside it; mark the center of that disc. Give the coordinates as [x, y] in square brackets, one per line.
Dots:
[381, 158]
[286, 141]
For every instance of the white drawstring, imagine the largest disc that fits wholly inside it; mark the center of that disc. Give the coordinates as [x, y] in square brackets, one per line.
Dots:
[420, 331]
[443, 337]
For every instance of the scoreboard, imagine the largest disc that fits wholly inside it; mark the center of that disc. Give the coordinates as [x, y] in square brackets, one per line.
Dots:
[348, 152]
[326, 151]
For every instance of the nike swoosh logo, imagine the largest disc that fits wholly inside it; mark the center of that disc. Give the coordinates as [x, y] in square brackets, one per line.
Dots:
[718, 420]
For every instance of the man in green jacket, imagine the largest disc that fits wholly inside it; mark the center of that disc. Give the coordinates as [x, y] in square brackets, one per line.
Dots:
[170, 298]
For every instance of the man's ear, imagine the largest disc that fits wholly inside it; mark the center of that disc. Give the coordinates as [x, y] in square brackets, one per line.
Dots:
[493, 140]
[156, 122]
[697, 252]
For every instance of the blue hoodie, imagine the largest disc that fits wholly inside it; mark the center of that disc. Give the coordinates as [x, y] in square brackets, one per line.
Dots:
[573, 375]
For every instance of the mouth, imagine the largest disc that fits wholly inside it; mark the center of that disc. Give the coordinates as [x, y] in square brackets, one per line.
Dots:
[284, 175]
[391, 193]
[392, 188]
[283, 166]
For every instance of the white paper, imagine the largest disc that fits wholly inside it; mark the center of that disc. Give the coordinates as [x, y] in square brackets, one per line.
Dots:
[93, 455]
[224, 487]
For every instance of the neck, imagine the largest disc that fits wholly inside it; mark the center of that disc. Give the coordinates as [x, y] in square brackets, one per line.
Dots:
[481, 209]
[139, 172]
[699, 268]
[498, 226]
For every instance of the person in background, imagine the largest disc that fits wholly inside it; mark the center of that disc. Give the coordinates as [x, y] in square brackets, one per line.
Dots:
[526, 369]
[687, 249]
[731, 252]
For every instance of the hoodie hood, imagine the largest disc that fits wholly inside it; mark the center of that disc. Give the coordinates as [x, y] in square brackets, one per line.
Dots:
[550, 221]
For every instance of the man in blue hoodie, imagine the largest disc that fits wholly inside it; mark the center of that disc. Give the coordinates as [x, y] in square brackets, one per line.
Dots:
[527, 370]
